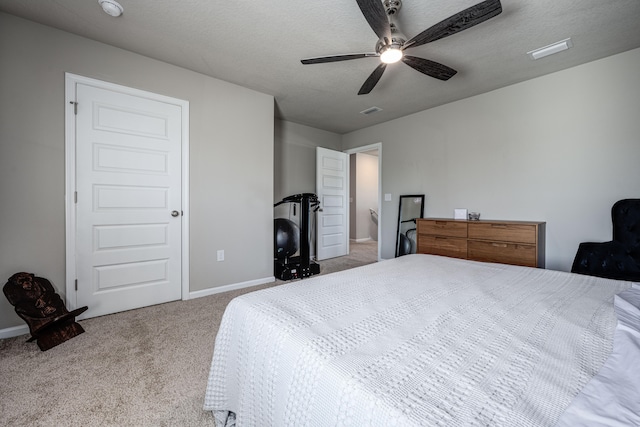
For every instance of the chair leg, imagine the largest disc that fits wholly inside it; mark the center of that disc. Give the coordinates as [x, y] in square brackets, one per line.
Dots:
[57, 334]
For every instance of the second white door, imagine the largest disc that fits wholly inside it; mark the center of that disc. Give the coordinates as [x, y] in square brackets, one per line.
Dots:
[331, 186]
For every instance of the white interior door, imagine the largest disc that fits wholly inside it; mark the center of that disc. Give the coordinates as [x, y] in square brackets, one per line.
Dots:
[128, 208]
[332, 190]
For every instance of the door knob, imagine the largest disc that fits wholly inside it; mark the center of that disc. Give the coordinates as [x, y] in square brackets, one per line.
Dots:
[175, 213]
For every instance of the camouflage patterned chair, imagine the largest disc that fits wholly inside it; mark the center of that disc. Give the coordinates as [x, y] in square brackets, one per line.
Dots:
[37, 303]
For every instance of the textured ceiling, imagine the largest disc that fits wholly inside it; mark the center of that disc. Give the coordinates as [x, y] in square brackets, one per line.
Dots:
[259, 44]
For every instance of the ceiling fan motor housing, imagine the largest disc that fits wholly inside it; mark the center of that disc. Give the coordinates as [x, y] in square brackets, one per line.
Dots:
[392, 6]
[397, 37]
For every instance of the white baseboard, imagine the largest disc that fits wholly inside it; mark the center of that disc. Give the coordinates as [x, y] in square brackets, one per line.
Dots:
[366, 239]
[231, 287]
[14, 331]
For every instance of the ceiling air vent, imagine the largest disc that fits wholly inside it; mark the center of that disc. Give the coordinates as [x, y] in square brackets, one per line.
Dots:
[371, 110]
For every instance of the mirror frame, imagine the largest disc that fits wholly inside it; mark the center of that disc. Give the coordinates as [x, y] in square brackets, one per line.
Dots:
[402, 220]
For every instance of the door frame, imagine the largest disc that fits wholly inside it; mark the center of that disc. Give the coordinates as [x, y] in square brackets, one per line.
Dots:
[70, 176]
[375, 146]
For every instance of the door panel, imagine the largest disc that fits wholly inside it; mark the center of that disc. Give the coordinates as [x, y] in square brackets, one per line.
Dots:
[128, 180]
[331, 186]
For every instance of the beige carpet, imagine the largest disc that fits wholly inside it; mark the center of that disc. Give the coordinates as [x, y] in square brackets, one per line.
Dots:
[145, 367]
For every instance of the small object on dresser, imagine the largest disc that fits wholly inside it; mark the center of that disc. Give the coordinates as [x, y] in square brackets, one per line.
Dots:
[459, 214]
[474, 216]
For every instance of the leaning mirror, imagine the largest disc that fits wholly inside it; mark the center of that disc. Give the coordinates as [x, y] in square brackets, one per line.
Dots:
[411, 207]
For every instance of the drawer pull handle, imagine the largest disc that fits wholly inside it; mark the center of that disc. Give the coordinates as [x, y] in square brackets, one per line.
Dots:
[441, 222]
[498, 226]
[499, 245]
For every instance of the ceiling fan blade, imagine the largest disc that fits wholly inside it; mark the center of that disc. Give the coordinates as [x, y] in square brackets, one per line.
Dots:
[430, 68]
[372, 80]
[376, 16]
[336, 58]
[469, 17]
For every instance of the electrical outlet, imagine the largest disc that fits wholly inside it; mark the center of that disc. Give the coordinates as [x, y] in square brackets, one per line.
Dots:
[221, 255]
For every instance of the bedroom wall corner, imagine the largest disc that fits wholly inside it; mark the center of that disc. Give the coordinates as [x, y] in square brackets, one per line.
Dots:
[231, 156]
[561, 148]
[295, 158]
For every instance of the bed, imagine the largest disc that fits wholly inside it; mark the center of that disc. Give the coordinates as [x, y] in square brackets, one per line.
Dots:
[425, 340]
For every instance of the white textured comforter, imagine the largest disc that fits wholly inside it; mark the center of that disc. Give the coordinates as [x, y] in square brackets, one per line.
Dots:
[415, 341]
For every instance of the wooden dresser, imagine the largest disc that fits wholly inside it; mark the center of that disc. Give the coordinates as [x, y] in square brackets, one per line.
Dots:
[506, 242]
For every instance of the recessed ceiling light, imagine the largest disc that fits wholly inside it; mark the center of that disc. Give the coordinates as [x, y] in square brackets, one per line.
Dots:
[551, 49]
[111, 7]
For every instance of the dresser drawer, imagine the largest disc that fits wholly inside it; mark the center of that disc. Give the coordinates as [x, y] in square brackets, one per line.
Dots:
[440, 245]
[442, 228]
[503, 232]
[505, 253]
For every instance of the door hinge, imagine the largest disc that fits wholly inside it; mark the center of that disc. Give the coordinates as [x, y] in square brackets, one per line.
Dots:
[75, 197]
[75, 107]
[76, 284]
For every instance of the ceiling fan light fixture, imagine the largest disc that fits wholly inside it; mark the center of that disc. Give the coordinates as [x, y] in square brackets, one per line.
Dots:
[380, 15]
[111, 7]
[391, 55]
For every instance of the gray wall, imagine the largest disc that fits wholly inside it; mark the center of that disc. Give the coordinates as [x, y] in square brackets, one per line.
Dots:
[231, 152]
[295, 165]
[366, 194]
[561, 148]
[295, 157]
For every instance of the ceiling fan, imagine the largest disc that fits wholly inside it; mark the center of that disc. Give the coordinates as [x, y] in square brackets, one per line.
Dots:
[381, 14]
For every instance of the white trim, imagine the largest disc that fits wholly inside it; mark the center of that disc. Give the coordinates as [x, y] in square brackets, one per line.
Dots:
[375, 146]
[185, 199]
[231, 287]
[71, 80]
[13, 331]
[366, 239]
[70, 186]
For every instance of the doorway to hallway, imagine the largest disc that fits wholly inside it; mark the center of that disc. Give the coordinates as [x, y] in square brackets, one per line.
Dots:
[365, 197]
